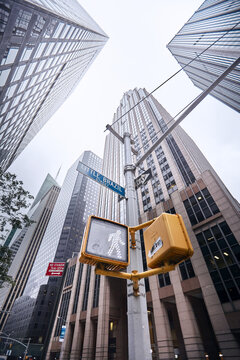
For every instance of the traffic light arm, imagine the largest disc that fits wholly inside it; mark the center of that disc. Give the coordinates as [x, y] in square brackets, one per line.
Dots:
[133, 229]
[135, 275]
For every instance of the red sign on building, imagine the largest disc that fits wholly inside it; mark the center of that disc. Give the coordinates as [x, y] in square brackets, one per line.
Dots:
[55, 269]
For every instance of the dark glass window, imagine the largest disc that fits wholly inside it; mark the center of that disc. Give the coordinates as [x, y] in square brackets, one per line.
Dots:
[86, 290]
[77, 289]
[70, 275]
[186, 269]
[62, 315]
[222, 259]
[96, 291]
[182, 164]
[164, 279]
[22, 22]
[171, 211]
[4, 14]
[200, 207]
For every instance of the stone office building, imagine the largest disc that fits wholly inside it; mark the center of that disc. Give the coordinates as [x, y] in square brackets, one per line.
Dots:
[194, 311]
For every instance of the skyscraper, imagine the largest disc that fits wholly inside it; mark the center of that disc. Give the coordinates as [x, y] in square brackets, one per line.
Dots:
[78, 198]
[211, 41]
[45, 49]
[25, 245]
[193, 310]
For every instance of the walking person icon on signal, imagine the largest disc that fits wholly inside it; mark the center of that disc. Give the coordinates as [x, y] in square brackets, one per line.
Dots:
[115, 238]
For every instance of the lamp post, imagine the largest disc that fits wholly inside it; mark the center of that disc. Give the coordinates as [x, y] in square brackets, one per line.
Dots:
[138, 329]
[26, 349]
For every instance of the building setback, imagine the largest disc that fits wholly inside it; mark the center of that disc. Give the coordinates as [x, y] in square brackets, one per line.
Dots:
[25, 245]
[45, 49]
[210, 40]
[194, 311]
[78, 198]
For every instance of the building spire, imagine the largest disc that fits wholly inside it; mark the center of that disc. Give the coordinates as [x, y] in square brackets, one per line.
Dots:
[58, 172]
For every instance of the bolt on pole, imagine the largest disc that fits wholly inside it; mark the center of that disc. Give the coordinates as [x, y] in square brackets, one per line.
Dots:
[139, 346]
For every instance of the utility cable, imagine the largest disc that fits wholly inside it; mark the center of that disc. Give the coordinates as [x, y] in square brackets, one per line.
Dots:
[170, 121]
[165, 81]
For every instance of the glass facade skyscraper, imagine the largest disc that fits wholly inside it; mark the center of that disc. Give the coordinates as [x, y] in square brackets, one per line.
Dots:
[77, 200]
[194, 311]
[26, 243]
[211, 41]
[45, 49]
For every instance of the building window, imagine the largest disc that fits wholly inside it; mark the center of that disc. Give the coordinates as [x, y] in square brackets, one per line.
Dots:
[70, 275]
[171, 211]
[182, 164]
[200, 206]
[186, 270]
[96, 291]
[77, 289]
[22, 22]
[221, 253]
[145, 268]
[86, 290]
[164, 279]
[4, 14]
[62, 315]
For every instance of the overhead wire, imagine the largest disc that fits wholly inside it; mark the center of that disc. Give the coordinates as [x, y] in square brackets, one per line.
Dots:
[170, 121]
[170, 77]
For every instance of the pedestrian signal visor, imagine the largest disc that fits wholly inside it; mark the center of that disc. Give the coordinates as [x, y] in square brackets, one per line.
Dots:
[105, 241]
[166, 241]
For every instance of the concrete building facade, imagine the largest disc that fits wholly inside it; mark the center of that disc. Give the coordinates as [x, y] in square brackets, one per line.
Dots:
[45, 49]
[194, 311]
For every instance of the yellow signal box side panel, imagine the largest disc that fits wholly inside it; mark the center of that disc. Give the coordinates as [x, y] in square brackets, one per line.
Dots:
[166, 241]
[93, 259]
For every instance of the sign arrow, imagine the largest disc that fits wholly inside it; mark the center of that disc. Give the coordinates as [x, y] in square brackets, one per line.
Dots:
[143, 178]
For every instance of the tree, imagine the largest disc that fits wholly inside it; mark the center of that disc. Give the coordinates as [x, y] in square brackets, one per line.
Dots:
[5, 262]
[13, 199]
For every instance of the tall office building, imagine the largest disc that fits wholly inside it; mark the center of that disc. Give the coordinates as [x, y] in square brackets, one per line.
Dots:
[25, 245]
[45, 49]
[78, 198]
[211, 41]
[194, 311]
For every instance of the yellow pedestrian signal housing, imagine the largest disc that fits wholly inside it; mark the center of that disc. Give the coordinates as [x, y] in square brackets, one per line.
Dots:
[166, 241]
[105, 242]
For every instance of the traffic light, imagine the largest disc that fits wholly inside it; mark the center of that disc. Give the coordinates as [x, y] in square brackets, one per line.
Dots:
[166, 241]
[105, 241]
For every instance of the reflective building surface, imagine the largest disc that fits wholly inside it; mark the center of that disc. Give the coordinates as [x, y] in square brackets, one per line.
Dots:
[45, 49]
[193, 311]
[77, 200]
[26, 243]
[211, 38]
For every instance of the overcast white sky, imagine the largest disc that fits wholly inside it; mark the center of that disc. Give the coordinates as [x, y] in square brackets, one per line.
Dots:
[134, 56]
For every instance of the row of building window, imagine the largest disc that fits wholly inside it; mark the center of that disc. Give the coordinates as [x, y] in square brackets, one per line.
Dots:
[62, 315]
[200, 206]
[221, 253]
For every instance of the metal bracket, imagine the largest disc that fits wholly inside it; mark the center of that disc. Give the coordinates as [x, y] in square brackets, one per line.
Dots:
[135, 276]
[133, 229]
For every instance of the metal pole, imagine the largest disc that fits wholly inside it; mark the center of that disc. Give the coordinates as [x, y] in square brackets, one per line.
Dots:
[139, 347]
[26, 349]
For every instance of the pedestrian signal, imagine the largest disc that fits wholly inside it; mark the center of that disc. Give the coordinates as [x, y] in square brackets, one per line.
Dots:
[166, 241]
[106, 242]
